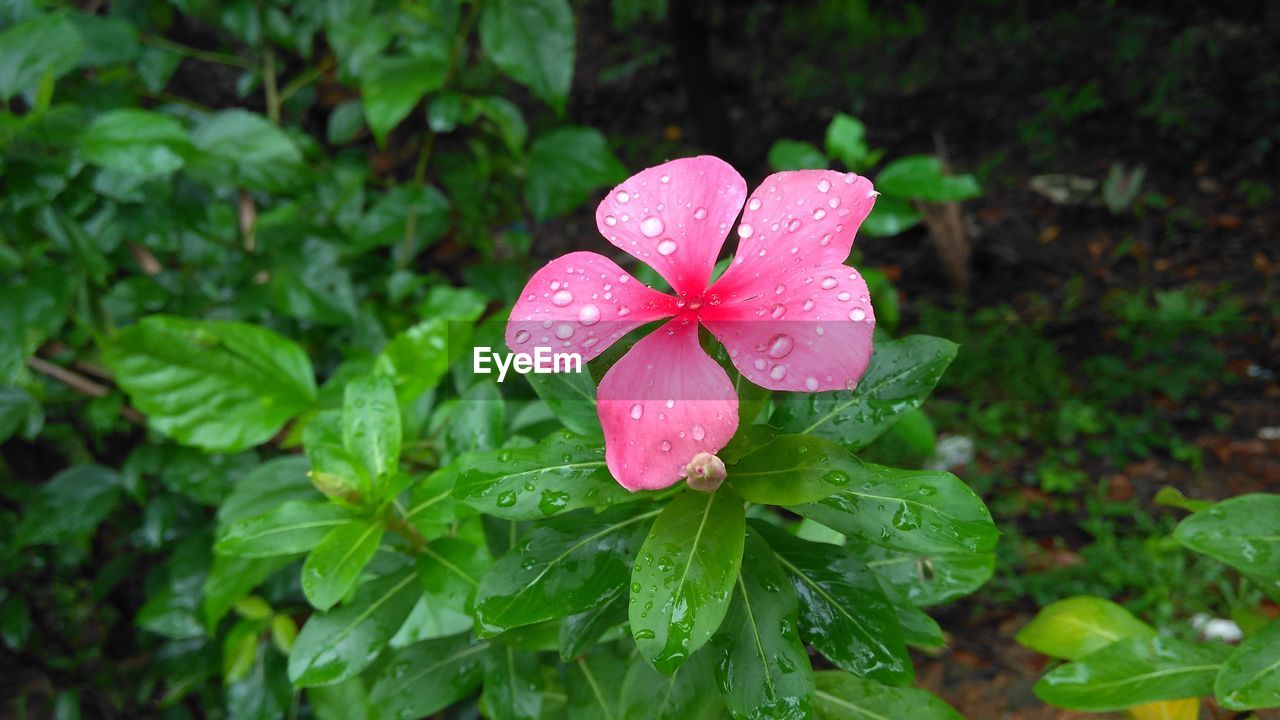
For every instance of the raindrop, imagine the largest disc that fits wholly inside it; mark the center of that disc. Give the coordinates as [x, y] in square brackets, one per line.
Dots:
[826, 240]
[834, 203]
[561, 298]
[698, 432]
[778, 311]
[666, 446]
[843, 296]
[623, 310]
[610, 220]
[624, 279]
[778, 372]
[819, 214]
[857, 314]
[760, 364]
[589, 315]
[522, 337]
[699, 213]
[754, 204]
[623, 196]
[666, 247]
[780, 289]
[670, 403]
[651, 226]
[564, 331]
[665, 178]
[794, 225]
[745, 230]
[637, 411]
[829, 282]
[780, 345]
[811, 383]
[824, 185]
[808, 304]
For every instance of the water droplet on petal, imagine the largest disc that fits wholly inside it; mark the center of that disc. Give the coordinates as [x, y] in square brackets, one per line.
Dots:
[824, 185]
[564, 331]
[522, 337]
[819, 214]
[666, 446]
[637, 411]
[699, 213]
[808, 304]
[794, 225]
[623, 311]
[760, 364]
[623, 196]
[779, 345]
[697, 432]
[829, 282]
[833, 203]
[589, 315]
[651, 226]
[778, 372]
[754, 204]
[561, 298]
[843, 296]
[811, 383]
[780, 289]
[745, 230]
[665, 179]
[778, 311]
[610, 220]
[667, 246]
[857, 314]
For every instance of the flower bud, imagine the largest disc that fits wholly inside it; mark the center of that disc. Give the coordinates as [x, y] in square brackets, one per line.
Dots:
[705, 472]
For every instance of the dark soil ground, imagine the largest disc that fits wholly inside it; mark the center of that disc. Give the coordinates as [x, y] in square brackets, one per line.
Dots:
[1008, 91]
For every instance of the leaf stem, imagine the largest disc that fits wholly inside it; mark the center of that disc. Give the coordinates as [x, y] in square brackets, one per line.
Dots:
[269, 85]
[197, 54]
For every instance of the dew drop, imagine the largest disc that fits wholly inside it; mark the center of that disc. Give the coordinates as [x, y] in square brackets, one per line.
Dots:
[699, 213]
[666, 247]
[780, 289]
[843, 296]
[745, 230]
[589, 315]
[829, 282]
[824, 185]
[623, 196]
[623, 311]
[670, 403]
[794, 225]
[778, 311]
[808, 304]
[561, 298]
[564, 331]
[833, 203]
[637, 411]
[811, 383]
[651, 226]
[666, 446]
[760, 364]
[819, 214]
[697, 432]
[780, 345]
[857, 314]
[610, 220]
[754, 204]
[778, 372]
[522, 337]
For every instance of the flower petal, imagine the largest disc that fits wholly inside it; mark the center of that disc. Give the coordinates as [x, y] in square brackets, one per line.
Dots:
[806, 330]
[800, 218]
[582, 302]
[675, 217]
[664, 402]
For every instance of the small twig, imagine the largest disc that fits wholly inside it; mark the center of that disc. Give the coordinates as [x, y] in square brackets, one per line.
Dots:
[269, 84]
[197, 54]
[81, 384]
[306, 78]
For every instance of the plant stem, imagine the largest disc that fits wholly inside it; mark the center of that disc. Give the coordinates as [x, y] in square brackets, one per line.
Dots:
[306, 78]
[269, 84]
[197, 54]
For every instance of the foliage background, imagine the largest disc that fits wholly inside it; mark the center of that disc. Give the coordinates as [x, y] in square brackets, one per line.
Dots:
[329, 170]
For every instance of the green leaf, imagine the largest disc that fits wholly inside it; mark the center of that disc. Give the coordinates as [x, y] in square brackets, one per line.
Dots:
[594, 684]
[450, 570]
[334, 470]
[371, 425]
[1133, 671]
[19, 414]
[571, 397]
[345, 122]
[560, 567]
[1077, 626]
[844, 613]
[920, 511]
[220, 386]
[266, 487]
[232, 578]
[432, 508]
[294, 527]
[136, 141]
[688, 693]
[511, 684]
[1241, 532]
[426, 678]
[579, 632]
[416, 359]
[684, 575]
[475, 425]
[532, 41]
[108, 40]
[392, 86]
[841, 696]
[562, 473]
[793, 469]
[566, 166]
[346, 700]
[890, 216]
[922, 177]
[39, 47]
[238, 147]
[927, 578]
[764, 671]
[334, 566]
[847, 141]
[901, 375]
[68, 508]
[1251, 676]
[795, 155]
[337, 645]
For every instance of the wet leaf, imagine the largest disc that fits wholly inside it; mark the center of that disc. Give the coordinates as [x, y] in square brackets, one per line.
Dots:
[794, 469]
[562, 473]
[689, 693]
[841, 696]
[684, 575]
[763, 670]
[1251, 676]
[334, 566]
[532, 41]
[925, 579]
[919, 511]
[511, 687]
[1241, 532]
[572, 397]
[901, 375]
[294, 527]
[1133, 671]
[371, 425]
[1077, 626]
[844, 613]
[579, 632]
[338, 645]
[560, 567]
[425, 678]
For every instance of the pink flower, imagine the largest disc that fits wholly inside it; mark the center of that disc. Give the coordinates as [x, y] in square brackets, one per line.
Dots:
[792, 316]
